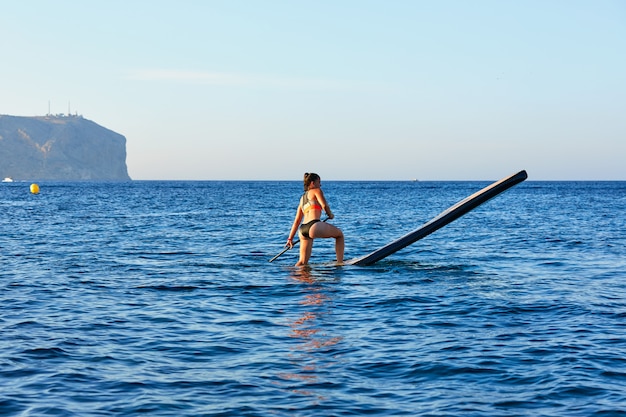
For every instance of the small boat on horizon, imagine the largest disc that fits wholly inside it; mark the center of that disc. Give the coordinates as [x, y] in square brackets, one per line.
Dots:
[7, 179]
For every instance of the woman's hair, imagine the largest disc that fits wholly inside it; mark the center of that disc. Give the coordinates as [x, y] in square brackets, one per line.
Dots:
[309, 178]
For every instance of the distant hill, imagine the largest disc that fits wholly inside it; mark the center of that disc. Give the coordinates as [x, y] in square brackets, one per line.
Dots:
[65, 148]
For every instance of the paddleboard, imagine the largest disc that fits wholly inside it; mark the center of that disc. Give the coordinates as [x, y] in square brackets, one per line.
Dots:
[443, 219]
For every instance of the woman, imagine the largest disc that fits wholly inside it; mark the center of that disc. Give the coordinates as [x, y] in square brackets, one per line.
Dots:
[309, 212]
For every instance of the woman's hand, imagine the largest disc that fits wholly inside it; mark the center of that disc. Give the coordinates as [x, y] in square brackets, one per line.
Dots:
[289, 243]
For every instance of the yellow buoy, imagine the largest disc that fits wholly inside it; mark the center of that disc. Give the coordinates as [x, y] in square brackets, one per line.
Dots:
[34, 188]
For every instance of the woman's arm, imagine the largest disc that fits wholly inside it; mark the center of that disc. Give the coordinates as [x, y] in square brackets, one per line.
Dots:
[319, 194]
[294, 228]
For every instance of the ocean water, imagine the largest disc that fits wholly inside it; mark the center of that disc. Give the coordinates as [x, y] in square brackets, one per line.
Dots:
[157, 298]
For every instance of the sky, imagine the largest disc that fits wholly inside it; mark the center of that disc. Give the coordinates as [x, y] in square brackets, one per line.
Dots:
[350, 89]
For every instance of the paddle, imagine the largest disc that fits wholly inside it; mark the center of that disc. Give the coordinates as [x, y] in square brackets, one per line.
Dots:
[289, 247]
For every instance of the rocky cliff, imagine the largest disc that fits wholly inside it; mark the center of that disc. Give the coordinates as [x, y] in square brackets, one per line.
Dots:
[64, 148]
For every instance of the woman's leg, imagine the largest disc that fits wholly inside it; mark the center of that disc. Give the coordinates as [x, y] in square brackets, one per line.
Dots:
[306, 247]
[326, 230]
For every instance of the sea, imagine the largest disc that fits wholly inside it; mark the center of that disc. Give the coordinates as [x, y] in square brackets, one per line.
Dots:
[158, 298]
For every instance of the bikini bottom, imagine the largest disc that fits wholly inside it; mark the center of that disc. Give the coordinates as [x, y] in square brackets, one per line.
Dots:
[304, 229]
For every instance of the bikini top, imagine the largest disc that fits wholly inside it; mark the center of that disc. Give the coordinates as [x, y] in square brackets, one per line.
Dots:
[309, 204]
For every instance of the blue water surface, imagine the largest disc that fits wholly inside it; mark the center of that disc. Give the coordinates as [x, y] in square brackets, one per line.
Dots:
[157, 298]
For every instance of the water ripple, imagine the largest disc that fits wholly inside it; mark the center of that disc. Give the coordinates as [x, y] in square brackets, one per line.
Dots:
[116, 301]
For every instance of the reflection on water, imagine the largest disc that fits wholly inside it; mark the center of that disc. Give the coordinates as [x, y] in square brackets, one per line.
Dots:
[313, 356]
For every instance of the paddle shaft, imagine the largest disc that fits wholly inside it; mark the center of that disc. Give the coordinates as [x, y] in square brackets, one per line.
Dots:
[284, 250]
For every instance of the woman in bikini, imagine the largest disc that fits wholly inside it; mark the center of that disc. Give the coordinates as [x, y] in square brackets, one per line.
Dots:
[308, 213]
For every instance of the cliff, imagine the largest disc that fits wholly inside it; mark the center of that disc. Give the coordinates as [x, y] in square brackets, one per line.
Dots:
[64, 148]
